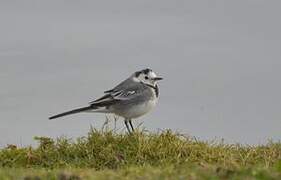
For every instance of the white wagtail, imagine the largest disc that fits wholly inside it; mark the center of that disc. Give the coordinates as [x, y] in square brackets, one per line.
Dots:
[131, 99]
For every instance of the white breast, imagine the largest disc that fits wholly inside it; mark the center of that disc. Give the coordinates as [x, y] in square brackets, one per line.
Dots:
[139, 110]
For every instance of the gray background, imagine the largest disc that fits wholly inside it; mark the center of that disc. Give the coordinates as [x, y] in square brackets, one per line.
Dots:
[221, 62]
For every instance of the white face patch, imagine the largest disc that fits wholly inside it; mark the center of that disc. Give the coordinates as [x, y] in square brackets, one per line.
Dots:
[145, 76]
[152, 74]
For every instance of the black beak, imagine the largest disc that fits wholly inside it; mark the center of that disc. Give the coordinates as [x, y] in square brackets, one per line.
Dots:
[157, 78]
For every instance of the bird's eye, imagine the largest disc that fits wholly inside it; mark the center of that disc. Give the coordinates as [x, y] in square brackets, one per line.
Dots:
[146, 77]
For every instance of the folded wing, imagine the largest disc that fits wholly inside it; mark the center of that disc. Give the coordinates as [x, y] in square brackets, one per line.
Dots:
[113, 96]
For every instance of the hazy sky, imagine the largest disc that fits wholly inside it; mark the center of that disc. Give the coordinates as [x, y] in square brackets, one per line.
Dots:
[221, 61]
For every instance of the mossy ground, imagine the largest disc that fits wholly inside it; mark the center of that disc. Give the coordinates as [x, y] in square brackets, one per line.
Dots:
[165, 155]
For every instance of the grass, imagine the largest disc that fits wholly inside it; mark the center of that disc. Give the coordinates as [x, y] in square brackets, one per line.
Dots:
[165, 155]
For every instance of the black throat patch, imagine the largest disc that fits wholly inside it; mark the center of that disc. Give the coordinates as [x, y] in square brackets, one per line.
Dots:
[156, 88]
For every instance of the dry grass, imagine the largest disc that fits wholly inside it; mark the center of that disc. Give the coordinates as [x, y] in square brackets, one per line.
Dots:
[164, 155]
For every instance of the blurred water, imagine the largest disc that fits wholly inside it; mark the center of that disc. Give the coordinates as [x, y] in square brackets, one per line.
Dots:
[220, 60]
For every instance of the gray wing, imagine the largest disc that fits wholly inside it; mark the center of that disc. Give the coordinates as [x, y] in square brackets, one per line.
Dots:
[122, 92]
[128, 83]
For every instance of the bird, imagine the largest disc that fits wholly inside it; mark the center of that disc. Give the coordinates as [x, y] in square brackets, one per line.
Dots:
[132, 98]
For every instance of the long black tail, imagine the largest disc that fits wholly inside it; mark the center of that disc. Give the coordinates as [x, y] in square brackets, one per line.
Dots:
[73, 112]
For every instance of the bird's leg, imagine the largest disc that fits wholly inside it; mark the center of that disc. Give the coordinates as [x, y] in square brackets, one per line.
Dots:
[127, 126]
[130, 121]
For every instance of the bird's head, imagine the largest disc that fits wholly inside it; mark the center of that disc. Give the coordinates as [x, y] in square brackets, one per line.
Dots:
[146, 76]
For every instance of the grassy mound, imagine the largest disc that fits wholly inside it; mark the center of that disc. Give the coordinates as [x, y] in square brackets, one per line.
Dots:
[164, 155]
